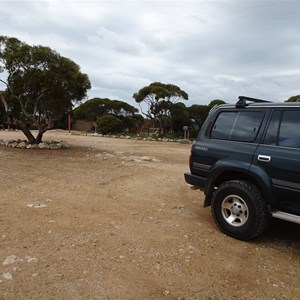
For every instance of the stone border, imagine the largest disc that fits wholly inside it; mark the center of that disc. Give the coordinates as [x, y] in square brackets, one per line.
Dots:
[137, 138]
[22, 144]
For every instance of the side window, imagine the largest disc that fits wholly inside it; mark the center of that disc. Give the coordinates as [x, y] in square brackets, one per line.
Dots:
[223, 125]
[272, 131]
[289, 129]
[237, 126]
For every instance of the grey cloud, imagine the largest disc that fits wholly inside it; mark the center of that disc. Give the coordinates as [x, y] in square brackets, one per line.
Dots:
[211, 49]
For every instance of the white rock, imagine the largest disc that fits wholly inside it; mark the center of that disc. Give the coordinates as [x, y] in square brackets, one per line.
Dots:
[21, 145]
[31, 259]
[7, 276]
[43, 146]
[10, 260]
[40, 206]
[145, 158]
[65, 145]
[55, 146]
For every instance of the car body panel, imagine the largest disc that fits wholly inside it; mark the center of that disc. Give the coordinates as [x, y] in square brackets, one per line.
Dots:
[214, 160]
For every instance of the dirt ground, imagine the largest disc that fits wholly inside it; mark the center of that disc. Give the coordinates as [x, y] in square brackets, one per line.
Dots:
[114, 219]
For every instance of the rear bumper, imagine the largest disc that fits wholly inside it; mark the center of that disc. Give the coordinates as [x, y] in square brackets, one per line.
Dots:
[196, 181]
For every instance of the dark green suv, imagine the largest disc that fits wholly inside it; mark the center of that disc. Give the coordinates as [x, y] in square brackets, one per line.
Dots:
[246, 159]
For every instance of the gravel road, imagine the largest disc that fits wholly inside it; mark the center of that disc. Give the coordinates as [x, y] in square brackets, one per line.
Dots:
[114, 219]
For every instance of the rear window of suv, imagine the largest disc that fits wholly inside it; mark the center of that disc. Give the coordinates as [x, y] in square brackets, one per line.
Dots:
[237, 125]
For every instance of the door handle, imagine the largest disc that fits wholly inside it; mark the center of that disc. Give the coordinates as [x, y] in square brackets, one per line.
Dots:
[264, 158]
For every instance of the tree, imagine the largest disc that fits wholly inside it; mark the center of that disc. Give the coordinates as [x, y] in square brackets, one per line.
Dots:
[133, 123]
[120, 108]
[40, 86]
[94, 108]
[216, 102]
[109, 124]
[158, 98]
[294, 99]
[2, 114]
[198, 114]
[179, 117]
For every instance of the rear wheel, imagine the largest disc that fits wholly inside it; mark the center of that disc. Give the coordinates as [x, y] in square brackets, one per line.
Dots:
[239, 209]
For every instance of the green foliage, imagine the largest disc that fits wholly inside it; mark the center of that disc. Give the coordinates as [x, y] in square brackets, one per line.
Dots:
[120, 108]
[52, 142]
[94, 108]
[109, 125]
[158, 91]
[133, 123]
[179, 117]
[294, 99]
[198, 114]
[193, 133]
[216, 102]
[41, 85]
[154, 136]
[158, 99]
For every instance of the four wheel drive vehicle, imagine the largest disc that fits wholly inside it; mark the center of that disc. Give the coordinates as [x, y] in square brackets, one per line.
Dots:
[246, 159]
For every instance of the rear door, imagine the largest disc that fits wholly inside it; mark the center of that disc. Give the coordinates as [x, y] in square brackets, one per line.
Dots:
[279, 155]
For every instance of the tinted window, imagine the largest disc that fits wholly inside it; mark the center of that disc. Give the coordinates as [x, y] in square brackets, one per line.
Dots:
[237, 126]
[289, 135]
[272, 132]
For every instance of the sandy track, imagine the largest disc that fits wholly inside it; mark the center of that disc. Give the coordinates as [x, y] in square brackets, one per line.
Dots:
[114, 219]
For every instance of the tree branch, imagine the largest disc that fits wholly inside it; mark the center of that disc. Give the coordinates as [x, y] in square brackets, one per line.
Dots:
[144, 113]
[36, 104]
[4, 82]
[4, 102]
[21, 104]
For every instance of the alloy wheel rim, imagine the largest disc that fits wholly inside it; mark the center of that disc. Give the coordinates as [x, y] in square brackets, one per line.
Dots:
[235, 210]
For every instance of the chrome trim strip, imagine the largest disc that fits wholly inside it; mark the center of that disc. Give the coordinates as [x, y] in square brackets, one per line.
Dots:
[201, 166]
[287, 184]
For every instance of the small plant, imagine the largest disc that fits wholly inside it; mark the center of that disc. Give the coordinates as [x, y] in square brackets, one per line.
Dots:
[52, 142]
[154, 136]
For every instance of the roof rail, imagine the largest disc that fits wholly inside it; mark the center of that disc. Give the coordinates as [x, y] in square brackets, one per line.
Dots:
[243, 101]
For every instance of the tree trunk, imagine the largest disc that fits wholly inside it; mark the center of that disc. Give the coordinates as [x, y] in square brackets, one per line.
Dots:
[31, 139]
[39, 136]
[25, 129]
[160, 130]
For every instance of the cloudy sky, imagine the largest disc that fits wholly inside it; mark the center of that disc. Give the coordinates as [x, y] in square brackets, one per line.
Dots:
[211, 49]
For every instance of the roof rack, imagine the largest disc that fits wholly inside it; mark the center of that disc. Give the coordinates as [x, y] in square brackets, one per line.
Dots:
[243, 101]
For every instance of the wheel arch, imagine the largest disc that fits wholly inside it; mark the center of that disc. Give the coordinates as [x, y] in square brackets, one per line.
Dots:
[258, 177]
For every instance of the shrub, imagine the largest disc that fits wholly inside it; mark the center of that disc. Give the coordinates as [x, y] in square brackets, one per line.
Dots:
[109, 125]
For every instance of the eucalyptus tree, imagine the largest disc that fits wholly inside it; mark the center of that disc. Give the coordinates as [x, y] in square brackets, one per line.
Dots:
[216, 102]
[179, 117]
[197, 114]
[294, 99]
[94, 108]
[39, 86]
[155, 101]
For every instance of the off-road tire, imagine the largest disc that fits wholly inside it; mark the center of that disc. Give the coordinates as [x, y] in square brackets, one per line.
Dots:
[239, 209]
